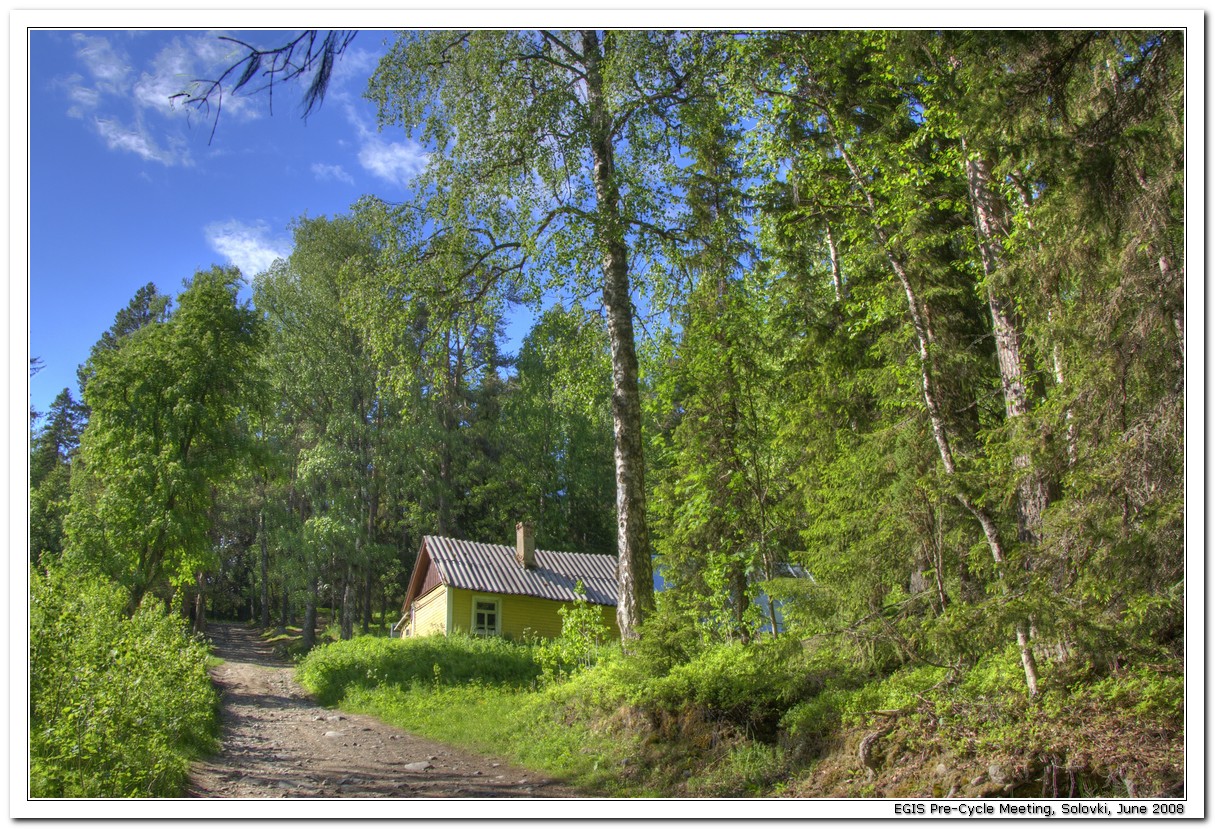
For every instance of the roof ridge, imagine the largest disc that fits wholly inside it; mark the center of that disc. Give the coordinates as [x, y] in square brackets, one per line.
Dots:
[511, 547]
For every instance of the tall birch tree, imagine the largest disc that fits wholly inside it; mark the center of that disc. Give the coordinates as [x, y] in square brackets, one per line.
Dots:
[561, 142]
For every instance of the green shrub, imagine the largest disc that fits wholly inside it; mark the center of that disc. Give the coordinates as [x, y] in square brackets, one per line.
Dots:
[613, 681]
[750, 685]
[670, 636]
[583, 636]
[811, 721]
[332, 671]
[847, 699]
[118, 706]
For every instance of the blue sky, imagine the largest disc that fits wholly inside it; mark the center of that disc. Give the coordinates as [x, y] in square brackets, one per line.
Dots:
[126, 190]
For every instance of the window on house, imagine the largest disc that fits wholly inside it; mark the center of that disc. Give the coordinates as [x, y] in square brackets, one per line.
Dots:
[485, 617]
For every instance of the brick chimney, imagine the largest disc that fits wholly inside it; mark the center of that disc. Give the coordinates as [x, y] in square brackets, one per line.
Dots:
[525, 545]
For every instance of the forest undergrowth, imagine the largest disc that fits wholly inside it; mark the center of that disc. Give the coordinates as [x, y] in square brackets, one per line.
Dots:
[771, 719]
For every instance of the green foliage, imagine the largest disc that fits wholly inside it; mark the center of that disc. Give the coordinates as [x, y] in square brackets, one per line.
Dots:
[52, 449]
[332, 671]
[749, 770]
[583, 636]
[721, 474]
[749, 685]
[163, 431]
[147, 306]
[118, 706]
[556, 465]
[914, 369]
[671, 636]
[1149, 693]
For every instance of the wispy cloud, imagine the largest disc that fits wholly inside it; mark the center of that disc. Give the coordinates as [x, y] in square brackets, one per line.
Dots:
[396, 162]
[250, 247]
[114, 94]
[109, 67]
[331, 172]
[182, 64]
[138, 140]
[355, 66]
[84, 99]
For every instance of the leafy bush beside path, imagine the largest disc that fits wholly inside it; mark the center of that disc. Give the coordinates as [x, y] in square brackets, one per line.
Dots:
[118, 706]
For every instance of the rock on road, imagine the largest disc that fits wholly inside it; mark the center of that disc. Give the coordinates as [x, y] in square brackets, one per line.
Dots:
[277, 742]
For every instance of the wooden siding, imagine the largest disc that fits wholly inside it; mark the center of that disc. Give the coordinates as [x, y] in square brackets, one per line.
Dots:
[430, 613]
[519, 616]
[431, 580]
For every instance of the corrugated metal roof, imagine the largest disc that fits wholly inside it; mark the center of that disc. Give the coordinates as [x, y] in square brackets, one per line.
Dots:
[492, 568]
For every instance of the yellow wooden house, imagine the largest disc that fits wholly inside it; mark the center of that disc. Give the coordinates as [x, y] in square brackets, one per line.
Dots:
[497, 590]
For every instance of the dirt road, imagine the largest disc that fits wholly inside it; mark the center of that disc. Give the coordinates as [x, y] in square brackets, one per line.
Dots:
[277, 742]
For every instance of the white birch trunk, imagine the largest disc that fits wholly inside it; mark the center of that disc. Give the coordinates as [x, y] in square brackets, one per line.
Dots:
[837, 273]
[990, 226]
[634, 569]
[928, 374]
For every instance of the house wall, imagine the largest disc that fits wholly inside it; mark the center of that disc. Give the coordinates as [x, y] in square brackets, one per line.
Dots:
[520, 616]
[430, 613]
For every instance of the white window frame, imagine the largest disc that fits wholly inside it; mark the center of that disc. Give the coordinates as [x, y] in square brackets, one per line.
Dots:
[496, 601]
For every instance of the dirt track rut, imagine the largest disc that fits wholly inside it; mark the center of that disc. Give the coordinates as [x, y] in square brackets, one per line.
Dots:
[279, 743]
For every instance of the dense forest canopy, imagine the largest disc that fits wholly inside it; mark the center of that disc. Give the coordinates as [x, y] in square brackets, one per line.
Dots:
[871, 340]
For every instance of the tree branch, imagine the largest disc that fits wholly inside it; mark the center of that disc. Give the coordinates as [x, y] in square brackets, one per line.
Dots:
[280, 64]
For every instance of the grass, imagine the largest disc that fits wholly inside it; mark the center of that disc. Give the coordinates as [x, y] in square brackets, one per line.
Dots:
[521, 726]
[740, 721]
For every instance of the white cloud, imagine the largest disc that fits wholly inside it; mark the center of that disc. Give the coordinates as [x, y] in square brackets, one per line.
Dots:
[353, 68]
[395, 162]
[109, 68]
[249, 247]
[392, 161]
[171, 71]
[137, 140]
[114, 94]
[178, 67]
[84, 99]
[331, 172]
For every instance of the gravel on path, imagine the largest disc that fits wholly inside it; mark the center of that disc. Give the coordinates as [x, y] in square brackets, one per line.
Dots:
[279, 743]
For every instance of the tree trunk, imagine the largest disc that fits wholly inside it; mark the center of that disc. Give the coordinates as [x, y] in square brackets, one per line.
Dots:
[1056, 352]
[265, 562]
[200, 603]
[928, 377]
[991, 225]
[366, 603]
[347, 609]
[837, 273]
[737, 576]
[309, 633]
[634, 569]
